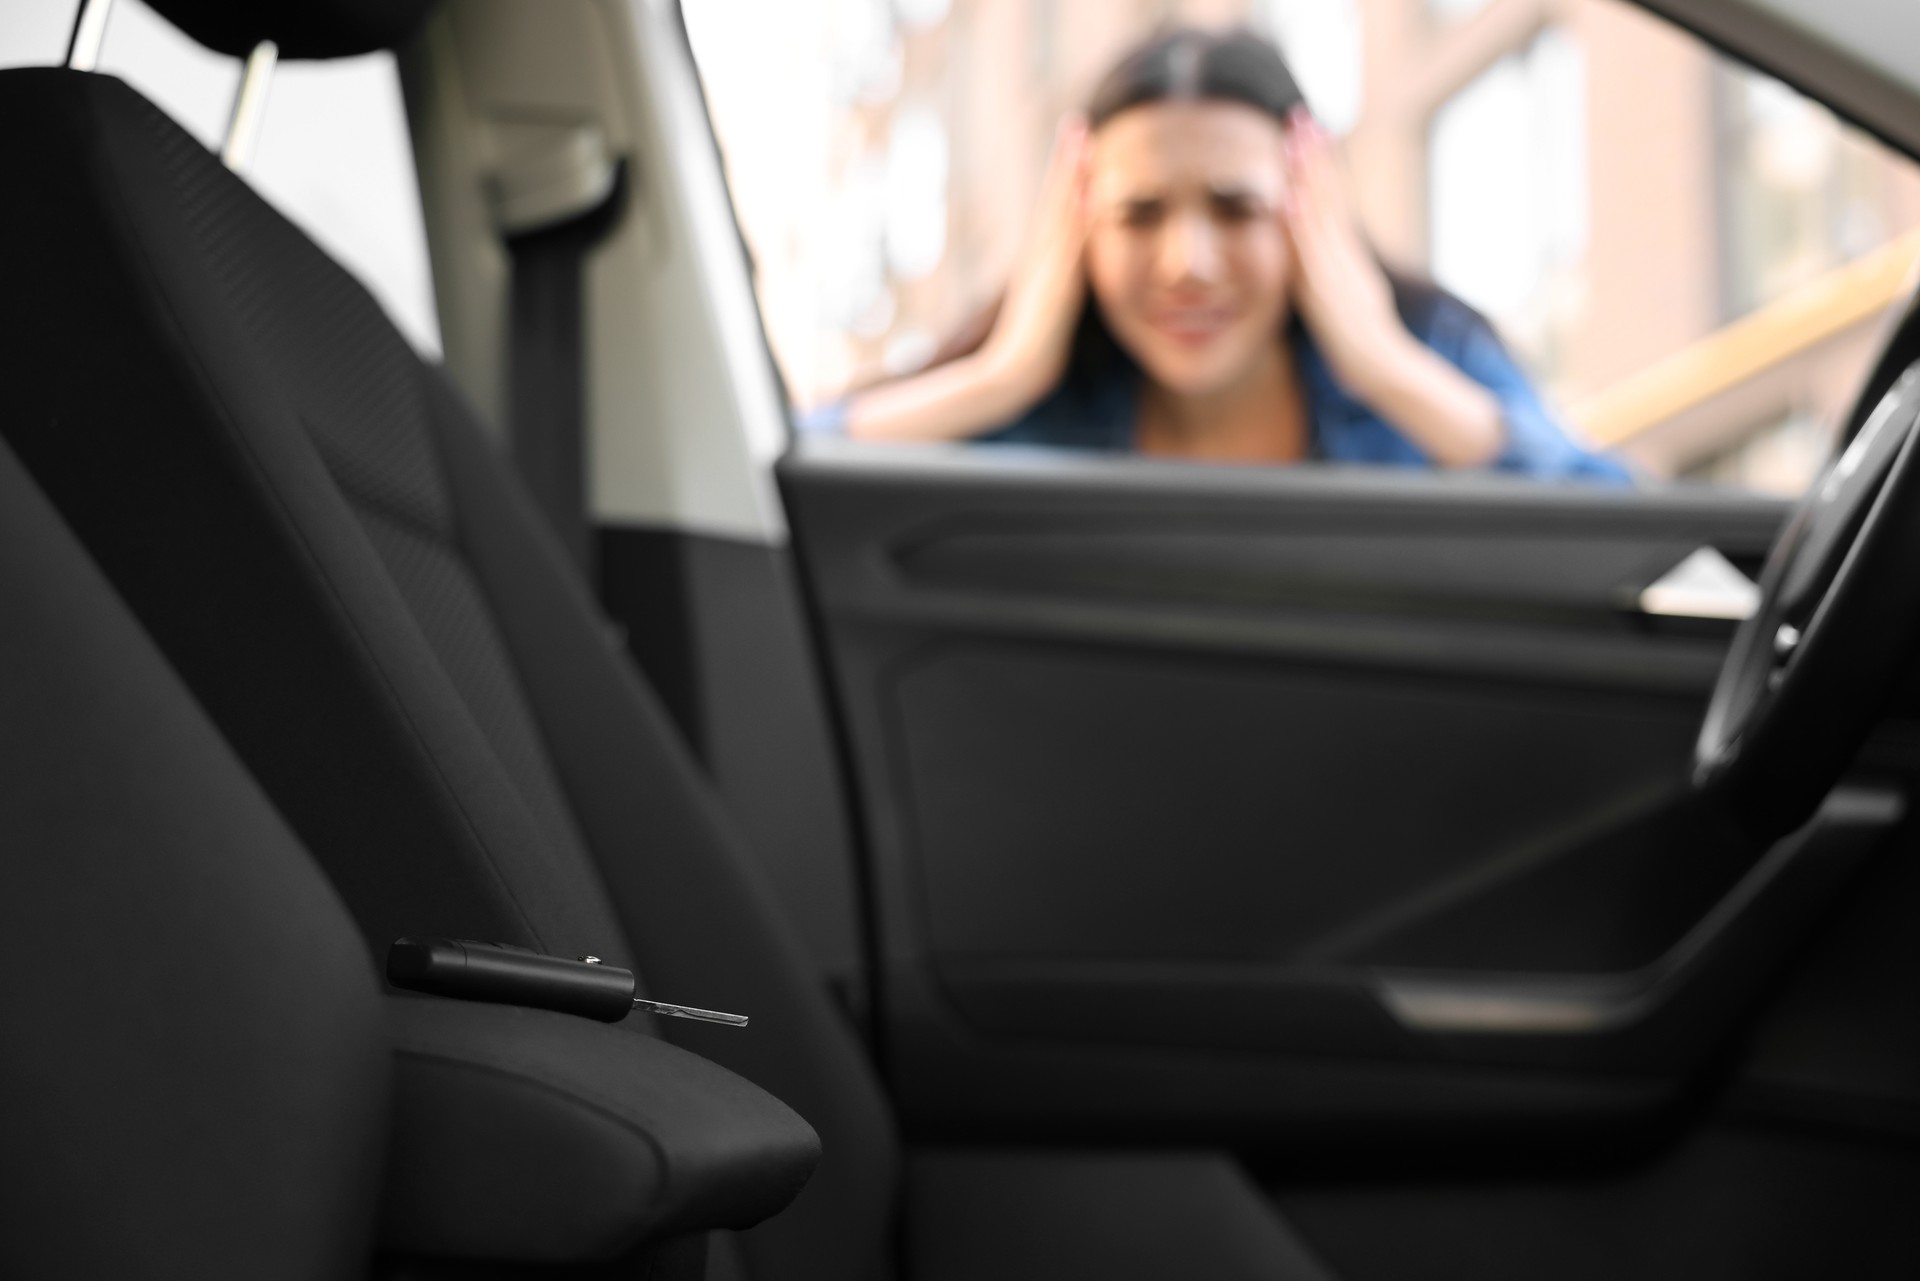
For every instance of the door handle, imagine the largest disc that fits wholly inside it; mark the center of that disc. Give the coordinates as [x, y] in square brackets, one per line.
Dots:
[1704, 584]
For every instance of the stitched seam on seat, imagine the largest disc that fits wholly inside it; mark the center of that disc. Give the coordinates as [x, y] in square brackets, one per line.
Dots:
[532, 772]
[386, 509]
[227, 425]
[437, 394]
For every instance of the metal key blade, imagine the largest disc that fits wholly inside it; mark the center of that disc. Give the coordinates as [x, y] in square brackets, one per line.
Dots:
[689, 1012]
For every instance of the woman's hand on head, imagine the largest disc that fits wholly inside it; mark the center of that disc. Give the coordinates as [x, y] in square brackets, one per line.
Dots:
[1033, 334]
[1025, 353]
[1343, 295]
[1339, 288]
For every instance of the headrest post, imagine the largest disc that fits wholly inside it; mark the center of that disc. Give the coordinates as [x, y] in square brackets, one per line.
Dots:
[249, 107]
[89, 32]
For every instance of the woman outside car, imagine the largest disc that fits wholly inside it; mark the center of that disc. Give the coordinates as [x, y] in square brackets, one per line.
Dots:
[1196, 286]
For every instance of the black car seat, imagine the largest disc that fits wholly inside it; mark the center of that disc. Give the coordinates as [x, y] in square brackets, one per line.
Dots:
[307, 520]
[194, 1079]
[198, 1067]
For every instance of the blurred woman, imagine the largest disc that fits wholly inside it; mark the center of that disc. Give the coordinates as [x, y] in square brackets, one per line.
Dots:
[1237, 312]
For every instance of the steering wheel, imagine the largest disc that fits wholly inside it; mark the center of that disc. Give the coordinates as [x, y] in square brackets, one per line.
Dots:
[1812, 669]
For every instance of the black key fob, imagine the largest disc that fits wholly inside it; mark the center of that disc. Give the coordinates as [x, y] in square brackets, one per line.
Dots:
[510, 976]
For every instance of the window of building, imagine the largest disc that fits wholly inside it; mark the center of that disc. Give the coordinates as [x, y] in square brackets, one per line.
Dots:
[1507, 186]
[1322, 41]
[1800, 194]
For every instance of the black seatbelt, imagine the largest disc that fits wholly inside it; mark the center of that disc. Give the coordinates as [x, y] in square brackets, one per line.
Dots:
[547, 366]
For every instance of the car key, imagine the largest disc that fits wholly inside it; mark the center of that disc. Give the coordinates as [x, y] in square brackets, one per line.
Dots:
[508, 975]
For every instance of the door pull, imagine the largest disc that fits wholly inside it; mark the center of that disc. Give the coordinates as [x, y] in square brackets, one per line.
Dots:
[1703, 585]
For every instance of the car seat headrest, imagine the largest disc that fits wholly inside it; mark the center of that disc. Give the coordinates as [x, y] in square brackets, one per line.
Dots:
[301, 28]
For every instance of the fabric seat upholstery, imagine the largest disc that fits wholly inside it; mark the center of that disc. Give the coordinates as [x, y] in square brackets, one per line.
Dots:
[195, 1076]
[307, 519]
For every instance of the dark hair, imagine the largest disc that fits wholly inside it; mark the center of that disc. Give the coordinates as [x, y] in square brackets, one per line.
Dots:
[1186, 64]
[1178, 64]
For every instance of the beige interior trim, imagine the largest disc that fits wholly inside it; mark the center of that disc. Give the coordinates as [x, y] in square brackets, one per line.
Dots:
[1728, 357]
[520, 109]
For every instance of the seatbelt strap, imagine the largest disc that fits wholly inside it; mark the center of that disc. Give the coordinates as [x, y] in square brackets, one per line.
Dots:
[547, 385]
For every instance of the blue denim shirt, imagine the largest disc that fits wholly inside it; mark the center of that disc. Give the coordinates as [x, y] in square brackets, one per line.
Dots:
[1104, 417]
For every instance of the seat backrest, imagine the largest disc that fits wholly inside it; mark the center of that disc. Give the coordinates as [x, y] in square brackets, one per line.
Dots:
[309, 522]
[194, 1078]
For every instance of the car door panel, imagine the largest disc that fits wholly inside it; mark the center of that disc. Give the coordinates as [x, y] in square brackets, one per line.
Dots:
[1082, 804]
[1183, 779]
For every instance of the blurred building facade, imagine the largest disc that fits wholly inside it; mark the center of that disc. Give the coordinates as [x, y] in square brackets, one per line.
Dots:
[1693, 259]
